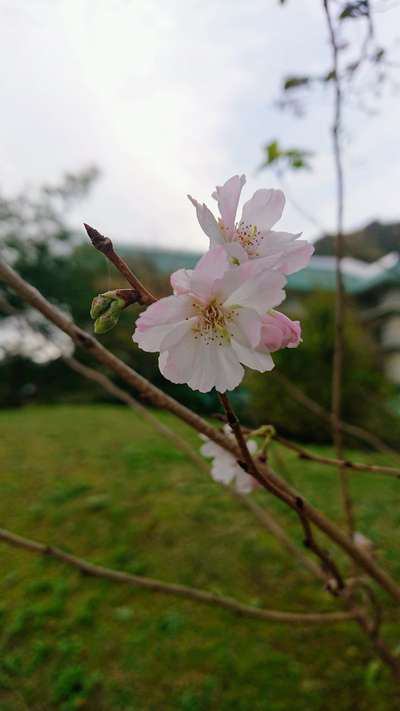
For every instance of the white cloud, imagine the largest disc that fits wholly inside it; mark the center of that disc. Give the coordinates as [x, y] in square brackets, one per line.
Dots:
[174, 97]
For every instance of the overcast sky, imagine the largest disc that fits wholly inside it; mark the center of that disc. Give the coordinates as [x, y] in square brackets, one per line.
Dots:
[168, 97]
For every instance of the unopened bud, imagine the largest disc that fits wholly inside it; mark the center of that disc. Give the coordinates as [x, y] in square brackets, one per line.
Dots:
[110, 316]
[99, 305]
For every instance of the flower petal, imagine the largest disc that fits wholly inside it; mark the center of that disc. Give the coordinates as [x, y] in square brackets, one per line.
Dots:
[227, 196]
[255, 359]
[224, 471]
[244, 483]
[180, 281]
[159, 319]
[263, 209]
[215, 366]
[260, 293]
[297, 257]
[246, 327]
[231, 372]
[208, 269]
[177, 364]
[176, 332]
[208, 223]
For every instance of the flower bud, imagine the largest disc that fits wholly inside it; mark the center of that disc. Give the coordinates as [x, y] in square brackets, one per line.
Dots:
[109, 312]
[99, 305]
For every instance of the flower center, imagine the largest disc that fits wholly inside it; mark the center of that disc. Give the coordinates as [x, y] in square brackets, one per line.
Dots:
[249, 237]
[212, 323]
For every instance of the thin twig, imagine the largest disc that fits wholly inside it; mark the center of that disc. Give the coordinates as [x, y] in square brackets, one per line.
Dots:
[335, 583]
[339, 301]
[106, 247]
[344, 463]
[295, 503]
[160, 586]
[353, 430]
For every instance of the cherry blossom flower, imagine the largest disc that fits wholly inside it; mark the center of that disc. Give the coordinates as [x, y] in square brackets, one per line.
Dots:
[224, 467]
[211, 326]
[252, 237]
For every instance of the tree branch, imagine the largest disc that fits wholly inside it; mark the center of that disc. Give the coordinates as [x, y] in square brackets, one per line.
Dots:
[344, 463]
[202, 596]
[353, 430]
[339, 304]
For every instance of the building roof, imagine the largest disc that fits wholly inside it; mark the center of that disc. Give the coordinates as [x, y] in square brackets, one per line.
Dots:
[358, 276]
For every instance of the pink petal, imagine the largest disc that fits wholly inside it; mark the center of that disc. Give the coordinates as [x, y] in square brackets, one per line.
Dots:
[207, 222]
[180, 281]
[215, 366]
[246, 327]
[230, 373]
[297, 257]
[260, 293]
[263, 209]
[257, 360]
[227, 197]
[207, 271]
[177, 364]
[159, 319]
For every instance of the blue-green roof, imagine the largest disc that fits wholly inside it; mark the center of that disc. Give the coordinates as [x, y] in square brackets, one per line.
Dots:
[316, 279]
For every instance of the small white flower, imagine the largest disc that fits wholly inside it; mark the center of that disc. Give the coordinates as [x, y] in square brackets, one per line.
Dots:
[224, 467]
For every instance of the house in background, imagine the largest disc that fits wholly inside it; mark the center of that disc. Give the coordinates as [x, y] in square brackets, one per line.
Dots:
[375, 287]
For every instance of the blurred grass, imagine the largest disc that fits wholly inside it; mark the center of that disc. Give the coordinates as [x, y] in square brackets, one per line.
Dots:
[97, 481]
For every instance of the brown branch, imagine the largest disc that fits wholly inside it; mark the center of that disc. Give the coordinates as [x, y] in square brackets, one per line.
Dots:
[160, 586]
[247, 461]
[264, 517]
[295, 503]
[353, 430]
[337, 379]
[275, 484]
[335, 584]
[344, 463]
[106, 247]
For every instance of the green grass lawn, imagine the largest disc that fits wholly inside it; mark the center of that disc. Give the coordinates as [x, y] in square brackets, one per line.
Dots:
[97, 481]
